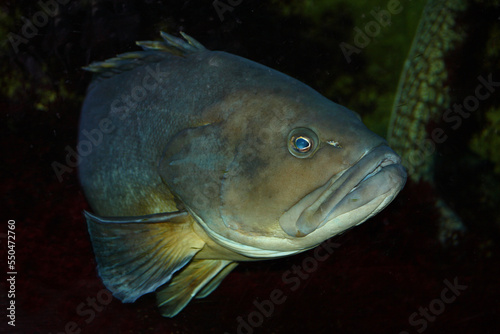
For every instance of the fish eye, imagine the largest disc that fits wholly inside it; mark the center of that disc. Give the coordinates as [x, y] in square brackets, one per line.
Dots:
[302, 142]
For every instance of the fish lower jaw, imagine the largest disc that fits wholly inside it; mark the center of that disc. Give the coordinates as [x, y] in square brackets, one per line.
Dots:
[369, 197]
[246, 249]
[345, 221]
[377, 173]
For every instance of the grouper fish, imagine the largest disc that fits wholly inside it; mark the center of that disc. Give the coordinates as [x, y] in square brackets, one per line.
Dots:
[199, 159]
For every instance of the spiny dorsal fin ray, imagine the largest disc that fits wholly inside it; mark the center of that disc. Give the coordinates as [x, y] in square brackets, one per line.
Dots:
[153, 51]
[186, 284]
[136, 255]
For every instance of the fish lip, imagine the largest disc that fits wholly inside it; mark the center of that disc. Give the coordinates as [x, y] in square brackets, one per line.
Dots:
[392, 177]
[378, 162]
[388, 161]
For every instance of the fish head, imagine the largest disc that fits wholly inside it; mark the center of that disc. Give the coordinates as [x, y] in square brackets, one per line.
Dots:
[305, 171]
[282, 169]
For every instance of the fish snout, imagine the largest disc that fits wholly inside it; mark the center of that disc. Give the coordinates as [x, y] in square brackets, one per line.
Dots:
[348, 199]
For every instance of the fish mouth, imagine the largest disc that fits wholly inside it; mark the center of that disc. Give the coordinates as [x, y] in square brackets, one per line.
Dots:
[349, 198]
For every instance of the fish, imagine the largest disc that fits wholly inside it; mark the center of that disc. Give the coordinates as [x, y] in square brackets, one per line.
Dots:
[194, 160]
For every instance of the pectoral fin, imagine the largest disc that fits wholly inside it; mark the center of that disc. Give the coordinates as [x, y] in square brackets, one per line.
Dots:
[136, 255]
[199, 277]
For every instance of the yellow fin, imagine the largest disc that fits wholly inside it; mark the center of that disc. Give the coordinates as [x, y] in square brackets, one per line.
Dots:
[136, 255]
[214, 283]
[185, 285]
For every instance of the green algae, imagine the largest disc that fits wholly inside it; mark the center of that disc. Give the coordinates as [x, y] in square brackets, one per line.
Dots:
[368, 87]
[34, 84]
[487, 143]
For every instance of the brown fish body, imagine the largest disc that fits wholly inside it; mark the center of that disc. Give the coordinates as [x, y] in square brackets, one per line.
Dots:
[214, 159]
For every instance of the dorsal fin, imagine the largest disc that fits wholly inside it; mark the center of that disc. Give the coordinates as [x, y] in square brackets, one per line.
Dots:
[153, 51]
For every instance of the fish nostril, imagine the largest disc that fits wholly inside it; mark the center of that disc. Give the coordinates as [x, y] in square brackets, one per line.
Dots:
[334, 143]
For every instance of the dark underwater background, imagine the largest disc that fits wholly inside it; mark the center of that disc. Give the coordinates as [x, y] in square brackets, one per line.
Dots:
[382, 274]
